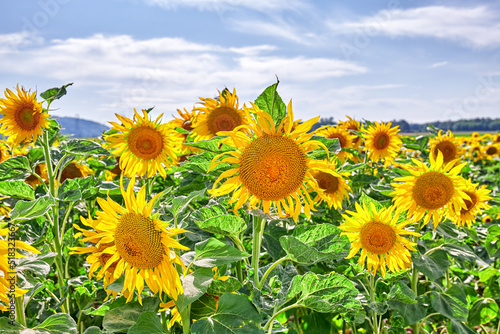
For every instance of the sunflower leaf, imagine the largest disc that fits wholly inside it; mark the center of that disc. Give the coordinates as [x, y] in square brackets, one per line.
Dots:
[15, 167]
[55, 93]
[482, 311]
[270, 102]
[332, 145]
[93, 330]
[60, 323]
[311, 244]
[70, 191]
[411, 312]
[17, 189]
[84, 147]
[213, 253]
[29, 210]
[194, 286]
[213, 145]
[433, 265]
[402, 293]
[493, 241]
[147, 323]
[215, 219]
[120, 319]
[452, 304]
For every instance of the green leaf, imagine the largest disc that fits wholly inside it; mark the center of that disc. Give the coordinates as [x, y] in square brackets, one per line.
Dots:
[147, 323]
[316, 323]
[203, 307]
[411, 312]
[60, 323]
[459, 328]
[492, 242]
[452, 304]
[311, 244]
[9, 326]
[17, 189]
[29, 210]
[84, 147]
[120, 319]
[402, 293]
[360, 180]
[93, 330]
[332, 293]
[461, 252]
[482, 311]
[212, 145]
[213, 253]
[180, 203]
[15, 167]
[194, 286]
[219, 287]
[270, 102]
[233, 311]
[332, 146]
[433, 265]
[69, 191]
[55, 93]
[213, 218]
[88, 186]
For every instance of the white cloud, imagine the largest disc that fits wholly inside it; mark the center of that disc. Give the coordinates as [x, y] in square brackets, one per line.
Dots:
[472, 26]
[220, 5]
[442, 63]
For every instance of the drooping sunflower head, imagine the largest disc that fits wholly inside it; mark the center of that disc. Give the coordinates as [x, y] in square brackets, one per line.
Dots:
[382, 142]
[270, 166]
[75, 171]
[141, 246]
[379, 237]
[447, 145]
[41, 173]
[221, 114]
[353, 125]
[346, 139]
[431, 192]
[145, 147]
[23, 117]
[474, 206]
[333, 186]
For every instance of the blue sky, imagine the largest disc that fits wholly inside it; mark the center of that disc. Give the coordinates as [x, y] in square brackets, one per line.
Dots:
[379, 60]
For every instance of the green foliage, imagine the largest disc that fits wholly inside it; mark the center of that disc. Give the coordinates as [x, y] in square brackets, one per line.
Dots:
[270, 102]
[55, 93]
[212, 253]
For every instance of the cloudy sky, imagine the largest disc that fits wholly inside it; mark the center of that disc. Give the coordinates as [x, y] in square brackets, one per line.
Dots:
[379, 60]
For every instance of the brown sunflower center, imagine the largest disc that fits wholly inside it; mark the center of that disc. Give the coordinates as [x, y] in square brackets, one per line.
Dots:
[377, 238]
[27, 119]
[433, 190]
[223, 119]
[342, 140]
[470, 204]
[71, 171]
[145, 143]
[187, 125]
[327, 182]
[138, 242]
[487, 219]
[448, 149]
[272, 167]
[356, 137]
[492, 150]
[381, 141]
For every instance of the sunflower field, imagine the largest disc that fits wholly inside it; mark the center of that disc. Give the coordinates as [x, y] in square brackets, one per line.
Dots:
[241, 219]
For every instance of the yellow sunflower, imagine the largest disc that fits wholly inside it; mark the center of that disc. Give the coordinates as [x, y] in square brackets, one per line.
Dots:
[431, 192]
[23, 117]
[352, 124]
[333, 186]
[133, 242]
[218, 115]
[186, 120]
[270, 165]
[475, 152]
[145, 147]
[379, 236]
[491, 151]
[75, 171]
[447, 145]
[382, 142]
[7, 269]
[4, 151]
[474, 206]
[345, 138]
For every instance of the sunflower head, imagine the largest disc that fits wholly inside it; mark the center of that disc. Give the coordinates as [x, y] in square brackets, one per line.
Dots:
[332, 185]
[145, 147]
[346, 139]
[379, 237]
[382, 142]
[221, 114]
[23, 117]
[478, 196]
[448, 145]
[491, 151]
[75, 171]
[352, 125]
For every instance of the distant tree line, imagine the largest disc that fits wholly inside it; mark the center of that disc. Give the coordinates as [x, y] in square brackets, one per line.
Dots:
[476, 124]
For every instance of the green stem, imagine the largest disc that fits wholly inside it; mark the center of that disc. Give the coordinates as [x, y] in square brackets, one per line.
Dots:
[498, 328]
[185, 315]
[270, 322]
[372, 287]
[258, 232]
[447, 277]
[164, 321]
[239, 271]
[268, 271]
[20, 316]
[414, 281]
[78, 322]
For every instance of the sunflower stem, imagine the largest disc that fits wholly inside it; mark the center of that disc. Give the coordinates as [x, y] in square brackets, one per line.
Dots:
[258, 232]
[414, 281]
[20, 316]
[372, 287]
[185, 315]
[269, 270]
[269, 324]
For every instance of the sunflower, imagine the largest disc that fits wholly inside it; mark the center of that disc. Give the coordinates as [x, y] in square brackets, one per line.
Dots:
[382, 142]
[133, 242]
[34, 180]
[270, 165]
[333, 186]
[4, 151]
[352, 124]
[75, 171]
[477, 202]
[7, 268]
[23, 117]
[345, 138]
[475, 152]
[380, 237]
[447, 145]
[144, 146]
[491, 151]
[218, 115]
[431, 192]
[186, 120]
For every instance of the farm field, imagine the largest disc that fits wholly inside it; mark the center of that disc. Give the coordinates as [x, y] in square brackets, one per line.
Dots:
[236, 218]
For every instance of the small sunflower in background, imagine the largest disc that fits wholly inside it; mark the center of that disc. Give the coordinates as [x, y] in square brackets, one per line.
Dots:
[430, 192]
[137, 244]
[186, 120]
[352, 124]
[145, 147]
[221, 114]
[448, 145]
[75, 171]
[333, 186]
[474, 152]
[379, 237]
[40, 175]
[382, 142]
[345, 138]
[270, 166]
[474, 206]
[23, 117]
[491, 151]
